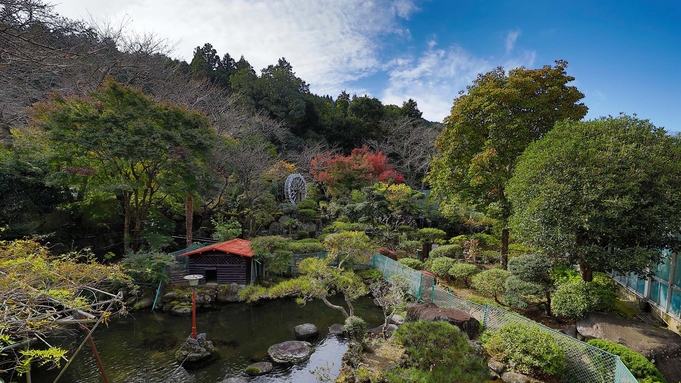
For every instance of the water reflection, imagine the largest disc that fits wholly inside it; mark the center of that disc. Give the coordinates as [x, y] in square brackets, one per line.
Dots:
[141, 347]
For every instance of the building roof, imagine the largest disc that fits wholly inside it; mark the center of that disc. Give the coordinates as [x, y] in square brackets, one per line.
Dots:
[238, 246]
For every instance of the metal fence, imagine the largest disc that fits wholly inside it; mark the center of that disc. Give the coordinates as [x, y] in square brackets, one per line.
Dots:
[584, 363]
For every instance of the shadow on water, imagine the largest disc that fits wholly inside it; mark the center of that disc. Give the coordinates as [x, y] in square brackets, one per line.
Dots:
[141, 347]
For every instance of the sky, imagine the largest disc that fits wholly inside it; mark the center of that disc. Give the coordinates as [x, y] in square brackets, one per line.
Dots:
[625, 55]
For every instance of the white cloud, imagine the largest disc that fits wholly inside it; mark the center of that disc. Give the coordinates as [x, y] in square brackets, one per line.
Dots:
[329, 43]
[435, 78]
[511, 38]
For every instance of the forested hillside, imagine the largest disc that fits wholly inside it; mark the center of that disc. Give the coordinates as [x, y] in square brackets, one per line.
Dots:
[264, 125]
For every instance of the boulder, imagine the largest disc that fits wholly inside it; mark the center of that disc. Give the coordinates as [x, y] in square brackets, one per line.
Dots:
[194, 350]
[397, 319]
[181, 310]
[229, 293]
[235, 380]
[306, 331]
[170, 296]
[514, 377]
[260, 368]
[292, 351]
[337, 329]
[431, 312]
[496, 367]
[143, 303]
[379, 330]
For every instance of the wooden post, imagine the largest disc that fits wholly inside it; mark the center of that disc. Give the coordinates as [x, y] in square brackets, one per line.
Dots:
[194, 313]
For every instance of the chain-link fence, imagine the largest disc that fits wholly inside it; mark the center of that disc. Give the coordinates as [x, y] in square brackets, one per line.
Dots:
[584, 363]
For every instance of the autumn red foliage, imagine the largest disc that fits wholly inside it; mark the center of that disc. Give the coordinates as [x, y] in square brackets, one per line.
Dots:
[362, 167]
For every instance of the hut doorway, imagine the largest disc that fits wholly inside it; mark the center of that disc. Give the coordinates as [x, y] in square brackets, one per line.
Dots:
[211, 275]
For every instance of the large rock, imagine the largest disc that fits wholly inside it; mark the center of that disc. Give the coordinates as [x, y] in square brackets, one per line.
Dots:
[336, 329]
[655, 343]
[391, 328]
[260, 368]
[181, 310]
[194, 350]
[431, 312]
[235, 380]
[514, 377]
[292, 351]
[306, 331]
[229, 293]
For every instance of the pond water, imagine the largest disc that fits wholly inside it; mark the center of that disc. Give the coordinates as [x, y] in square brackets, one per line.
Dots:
[141, 347]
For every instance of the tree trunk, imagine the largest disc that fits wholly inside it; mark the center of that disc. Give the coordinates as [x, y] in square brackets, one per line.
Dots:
[586, 272]
[189, 218]
[504, 248]
[336, 307]
[126, 225]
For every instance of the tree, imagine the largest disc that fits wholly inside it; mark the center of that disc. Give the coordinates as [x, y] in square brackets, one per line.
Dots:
[353, 247]
[603, 194]
[43, 295]
[342, 174]
[119, 143]
[390, 297]
[489, 128]
[530, 281]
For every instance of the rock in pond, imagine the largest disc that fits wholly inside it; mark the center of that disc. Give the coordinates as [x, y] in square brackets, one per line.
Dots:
[260, 368]
[292, 351]
[337, 329]
[431, 312]
[195, 350]
[181, 310]
[306, 331]
[235, 380]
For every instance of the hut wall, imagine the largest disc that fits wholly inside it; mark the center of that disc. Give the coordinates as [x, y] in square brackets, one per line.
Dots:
[230, 268]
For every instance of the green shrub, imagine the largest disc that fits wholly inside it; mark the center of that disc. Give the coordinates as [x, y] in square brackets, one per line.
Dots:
[356, 328]
[306, 247]
[307, 204]
[458, 240]
[441, 266]
[287, 208]
[431, 235]
[372, 274]
[525, 347]
[436, 352]
[462, 272]
[307, 215]
[522, 294]
[576, 298]
[411, 262]
[449, 251]
[491, 283]
[639, 366]
[516, 249]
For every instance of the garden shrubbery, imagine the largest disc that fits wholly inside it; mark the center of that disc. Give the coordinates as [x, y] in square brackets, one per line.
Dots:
[491, 283]
[463, 272]
[441, 266]
[525, 348]
[640, 367]
[576, 298]
[411, 262]
[448, 251]
[436, 352]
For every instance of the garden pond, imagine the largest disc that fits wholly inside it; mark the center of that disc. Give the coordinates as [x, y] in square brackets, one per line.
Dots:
[141, 347]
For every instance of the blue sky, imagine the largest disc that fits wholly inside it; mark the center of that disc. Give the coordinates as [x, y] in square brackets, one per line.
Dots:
[625, 55]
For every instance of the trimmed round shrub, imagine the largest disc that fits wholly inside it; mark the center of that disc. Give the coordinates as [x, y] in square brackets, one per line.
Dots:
[639, 366]
[526, 348]
[448, 251]
[462, 272]
[307, 204]
[491, 283]
[411, 262]
[458, 240]
[436, 352]
[441, 266]
[522, 294]
[307, 215]
[576, 298]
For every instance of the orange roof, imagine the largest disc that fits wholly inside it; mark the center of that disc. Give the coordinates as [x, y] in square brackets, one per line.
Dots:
[238, 246]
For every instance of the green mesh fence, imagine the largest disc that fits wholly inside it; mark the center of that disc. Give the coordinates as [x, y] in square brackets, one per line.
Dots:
[584, 363]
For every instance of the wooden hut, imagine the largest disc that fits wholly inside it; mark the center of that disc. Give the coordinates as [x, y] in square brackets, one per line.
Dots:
[224, 262]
